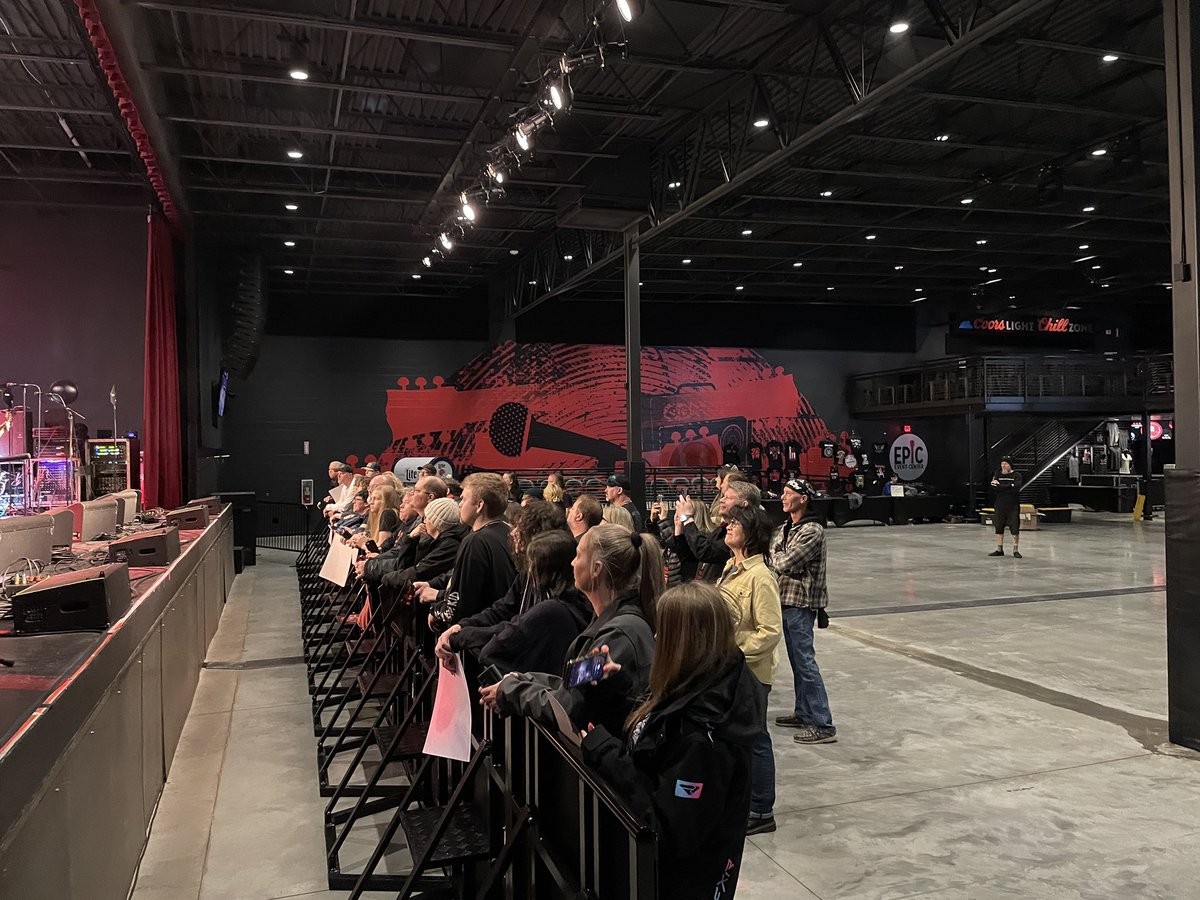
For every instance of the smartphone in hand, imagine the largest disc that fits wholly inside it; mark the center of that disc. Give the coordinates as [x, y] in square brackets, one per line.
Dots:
[372, 547]
[586, 669]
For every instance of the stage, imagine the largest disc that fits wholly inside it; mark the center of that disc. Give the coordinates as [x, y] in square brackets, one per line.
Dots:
[89, 723]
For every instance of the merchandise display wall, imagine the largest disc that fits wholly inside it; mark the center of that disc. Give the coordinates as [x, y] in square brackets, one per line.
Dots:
[73, 296]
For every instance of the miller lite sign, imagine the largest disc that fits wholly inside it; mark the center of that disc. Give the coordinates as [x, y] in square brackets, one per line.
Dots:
[908, 457]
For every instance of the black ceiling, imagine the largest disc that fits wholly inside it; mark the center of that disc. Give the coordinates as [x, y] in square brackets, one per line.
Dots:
[853, 192]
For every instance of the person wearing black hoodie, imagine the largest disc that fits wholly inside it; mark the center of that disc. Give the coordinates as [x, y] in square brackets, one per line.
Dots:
[684, 762]
[620, 573]
[1007, 508]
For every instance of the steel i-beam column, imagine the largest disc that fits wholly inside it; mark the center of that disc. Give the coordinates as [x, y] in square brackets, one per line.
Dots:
[1181, 25]
[635, 465]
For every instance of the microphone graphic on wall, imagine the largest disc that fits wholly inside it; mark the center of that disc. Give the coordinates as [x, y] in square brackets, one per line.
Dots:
[513, 431]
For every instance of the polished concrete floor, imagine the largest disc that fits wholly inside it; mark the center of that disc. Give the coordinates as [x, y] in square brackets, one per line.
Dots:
[1001, 722]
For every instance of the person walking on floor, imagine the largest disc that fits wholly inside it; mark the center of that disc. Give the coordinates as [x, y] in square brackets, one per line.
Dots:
[1007, 485]
[797, 557]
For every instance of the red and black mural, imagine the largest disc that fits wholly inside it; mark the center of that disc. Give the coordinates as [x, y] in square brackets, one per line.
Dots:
[522, 406]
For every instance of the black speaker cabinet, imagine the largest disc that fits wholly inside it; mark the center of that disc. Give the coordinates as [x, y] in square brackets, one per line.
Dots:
[88, 600]
[149, 548]
[245, 521]
[188, 517]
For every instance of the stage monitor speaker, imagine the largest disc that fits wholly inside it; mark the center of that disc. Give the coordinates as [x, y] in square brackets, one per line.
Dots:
[25, 537]
[188, 517]
[64, 526]
[88, 600]
[149, 548]
[129, 505]
[212, 504]
[94, 518]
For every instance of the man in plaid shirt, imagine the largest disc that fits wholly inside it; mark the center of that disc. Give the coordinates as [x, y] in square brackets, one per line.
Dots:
[797, 557]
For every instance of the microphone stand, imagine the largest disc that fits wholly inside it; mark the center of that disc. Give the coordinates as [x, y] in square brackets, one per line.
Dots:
[71, 414]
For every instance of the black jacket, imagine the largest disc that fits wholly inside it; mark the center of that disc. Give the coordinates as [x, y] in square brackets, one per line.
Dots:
[630, 641]
[475, 631]
[431, 558]
[1008, 492]
[678, 546]
[538, 638]
[709, 549]
[483, 571]
[688, 776]
[399, 555]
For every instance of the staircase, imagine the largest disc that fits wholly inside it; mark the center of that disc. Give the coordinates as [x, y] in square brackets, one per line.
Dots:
[1033, 454]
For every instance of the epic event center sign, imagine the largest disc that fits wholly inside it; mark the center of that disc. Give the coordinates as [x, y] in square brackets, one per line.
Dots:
[563, 405]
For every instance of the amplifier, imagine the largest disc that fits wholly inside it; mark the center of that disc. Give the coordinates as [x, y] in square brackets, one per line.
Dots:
[116, 464]
[88, 600]
[149, 548]
[213, 504]
[188, 517]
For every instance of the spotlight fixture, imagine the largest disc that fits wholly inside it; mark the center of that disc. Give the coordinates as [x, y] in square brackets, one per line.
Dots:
[467, 209]
[568, 257]
[291, 207]
[495, 173]
[444, 240]
[625, 8]
[826, 193]
[533, 282]
[687, 262]
[298, 60]
[295, 154]
[981, 242]
[523, 131]
[673, 185]
[746, 232]
[898, 27]
[967, 201]
[1089, 209]
[1110, 57]
[289, 271]
[760, 107]
[289, 243]
[898, 268]
[427, 262]
[941, 138]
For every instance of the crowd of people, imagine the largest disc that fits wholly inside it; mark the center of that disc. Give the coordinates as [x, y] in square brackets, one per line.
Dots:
[680, 614]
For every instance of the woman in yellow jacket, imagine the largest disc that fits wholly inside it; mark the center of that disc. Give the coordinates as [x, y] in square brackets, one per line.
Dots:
[752, 593]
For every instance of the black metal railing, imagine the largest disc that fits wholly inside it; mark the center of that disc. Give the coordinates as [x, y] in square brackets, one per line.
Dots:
[284, 526]
[1006, 380]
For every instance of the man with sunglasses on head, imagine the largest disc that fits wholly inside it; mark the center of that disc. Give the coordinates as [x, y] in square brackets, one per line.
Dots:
[797, 557]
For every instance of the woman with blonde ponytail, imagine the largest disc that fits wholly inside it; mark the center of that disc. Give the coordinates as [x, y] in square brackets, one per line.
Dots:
[620, 572]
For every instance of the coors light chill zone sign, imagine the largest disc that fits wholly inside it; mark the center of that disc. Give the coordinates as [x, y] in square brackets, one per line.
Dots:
[969, 332]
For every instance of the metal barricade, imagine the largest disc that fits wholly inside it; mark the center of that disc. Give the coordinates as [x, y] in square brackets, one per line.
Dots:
[284, 526]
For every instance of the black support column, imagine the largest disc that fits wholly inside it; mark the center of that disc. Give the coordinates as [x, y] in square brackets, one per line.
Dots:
[1147, 467]
[635, 465]
[1182, 43]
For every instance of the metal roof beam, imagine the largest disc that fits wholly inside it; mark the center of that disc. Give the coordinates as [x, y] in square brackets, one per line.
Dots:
[1090, 51]
[53, 148]
[43, 58]
[56, 110]
[1043, 106]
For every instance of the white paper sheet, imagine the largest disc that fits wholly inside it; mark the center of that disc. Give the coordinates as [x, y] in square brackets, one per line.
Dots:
[450, 726]
[338, 561]
[336, 493]
[568, 729]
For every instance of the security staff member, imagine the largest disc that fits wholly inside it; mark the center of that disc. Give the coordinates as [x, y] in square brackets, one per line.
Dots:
[1007, 486]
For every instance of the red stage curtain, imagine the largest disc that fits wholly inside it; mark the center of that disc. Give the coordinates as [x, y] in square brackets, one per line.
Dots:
[162, 459]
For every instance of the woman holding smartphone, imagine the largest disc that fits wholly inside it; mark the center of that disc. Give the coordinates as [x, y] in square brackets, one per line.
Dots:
[620, 573]
[683, 757]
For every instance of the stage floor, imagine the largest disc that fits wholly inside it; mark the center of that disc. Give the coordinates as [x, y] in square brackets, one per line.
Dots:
[1001, 722]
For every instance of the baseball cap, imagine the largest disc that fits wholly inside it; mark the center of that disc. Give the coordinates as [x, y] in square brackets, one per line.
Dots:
[343, 467]
[372, 467]
[801, 486]
[618, 480]
[1006, 459]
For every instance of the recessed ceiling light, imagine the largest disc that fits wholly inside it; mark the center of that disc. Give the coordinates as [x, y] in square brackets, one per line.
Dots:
[1110, 57]
[568, 257]
[739, 288]
[416, 277]
[1012, 298]
[829, 289]
[533, 282]
[1072, 307]
[639, 284]
[967, 201]
[983, 268]
[1084, 246]
[871, 237]
[1095, 267]
[513, 252]
[898, 268]
[761, 122]
[289, 271]
[797, 265]
[427, 262]
[291, 207]
[919, 299]
[918, 290]
[672, 185]
[898, 27]
[746, 232]
[981, 242]
[826, 193]
[941, 138]
[295, 154]
[289, 243]
[687, 262]
[1099, 151]
[1089, 209]
[991, 271]
[1104, 285]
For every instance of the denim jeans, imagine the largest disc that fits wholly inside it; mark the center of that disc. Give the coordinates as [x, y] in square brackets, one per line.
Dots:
[812, 703]
[762, 766]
